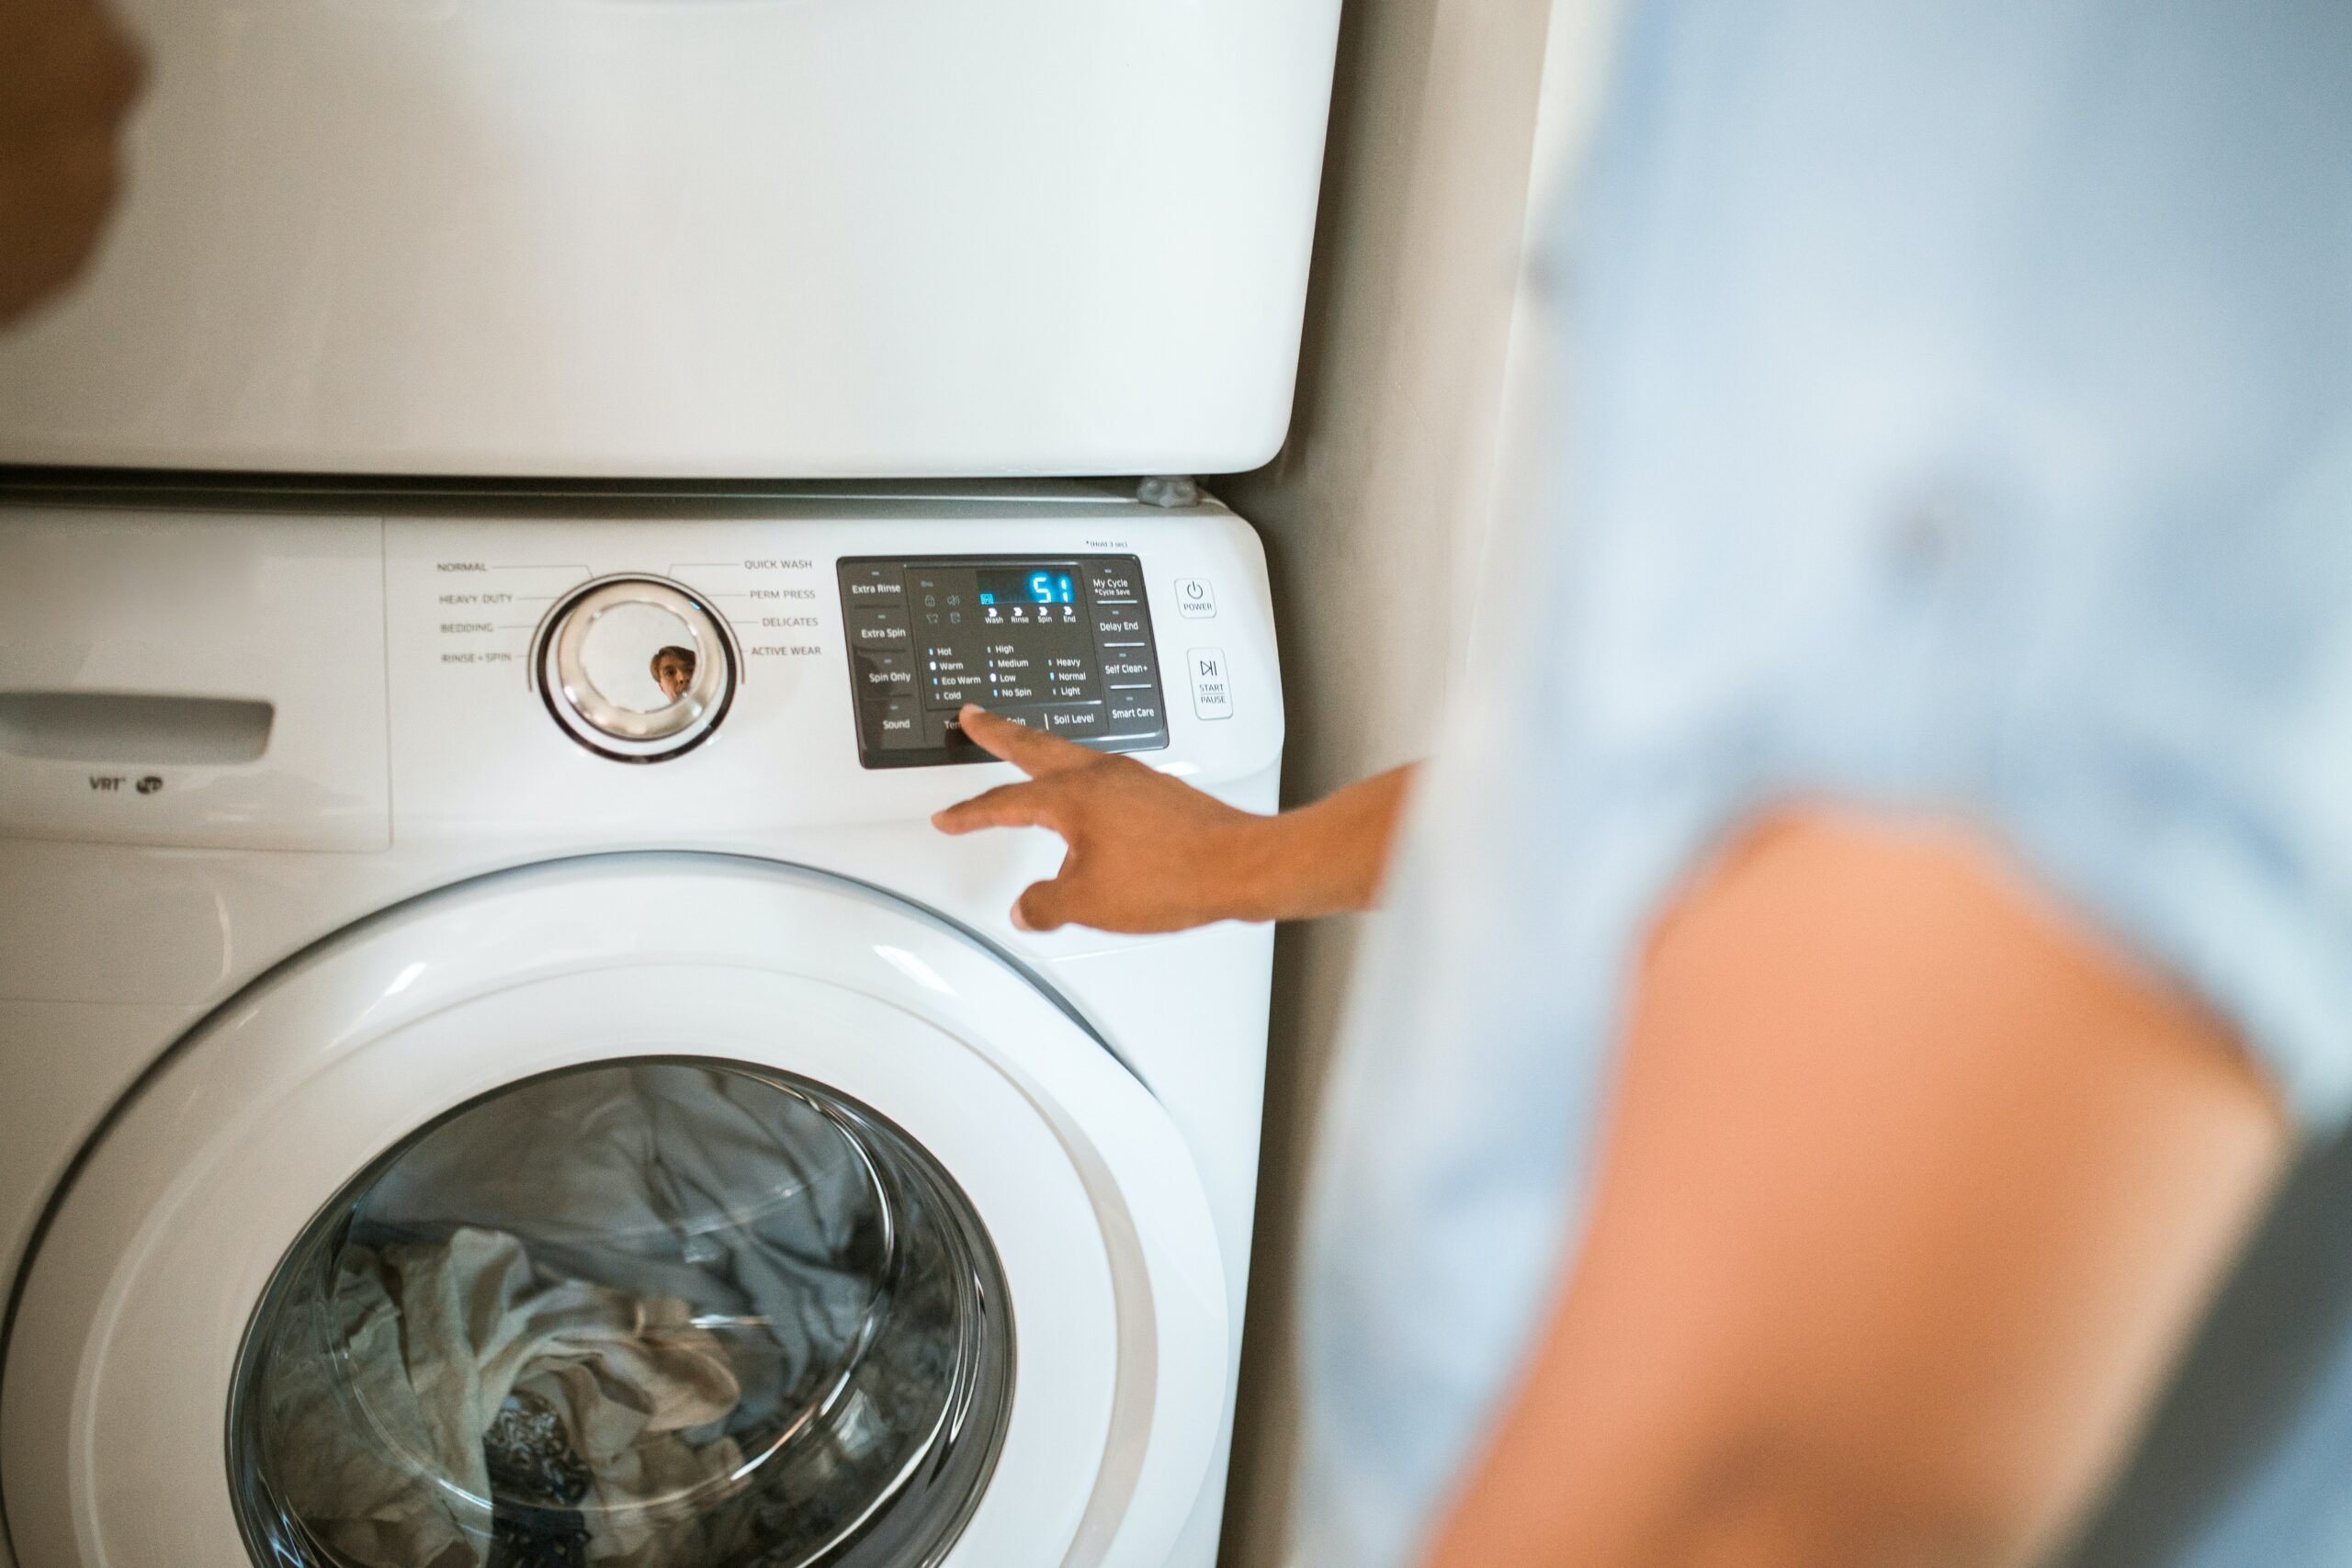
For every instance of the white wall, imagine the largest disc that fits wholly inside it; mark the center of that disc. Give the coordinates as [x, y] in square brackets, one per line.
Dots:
[1418, 375]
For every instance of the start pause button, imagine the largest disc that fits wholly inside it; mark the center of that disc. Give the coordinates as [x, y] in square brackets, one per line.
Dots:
[1212, 686]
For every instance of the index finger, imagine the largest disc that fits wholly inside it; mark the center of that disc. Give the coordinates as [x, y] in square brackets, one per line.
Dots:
[1034, 751]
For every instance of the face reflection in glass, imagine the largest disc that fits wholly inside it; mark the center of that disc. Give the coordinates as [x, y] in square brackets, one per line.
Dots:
[673, 672]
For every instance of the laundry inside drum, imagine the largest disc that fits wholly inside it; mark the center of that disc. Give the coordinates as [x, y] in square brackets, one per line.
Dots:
[666, 1313]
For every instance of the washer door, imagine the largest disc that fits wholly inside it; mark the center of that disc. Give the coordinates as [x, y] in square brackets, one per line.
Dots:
[661, 1212]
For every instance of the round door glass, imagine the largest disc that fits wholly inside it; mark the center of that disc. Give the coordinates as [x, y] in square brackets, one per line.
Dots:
[640, 656]
[658, 1315]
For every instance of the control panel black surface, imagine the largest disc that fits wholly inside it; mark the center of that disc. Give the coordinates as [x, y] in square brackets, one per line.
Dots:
[1062, 644]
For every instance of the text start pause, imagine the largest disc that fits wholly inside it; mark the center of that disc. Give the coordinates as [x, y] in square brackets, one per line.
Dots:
[1211, 683]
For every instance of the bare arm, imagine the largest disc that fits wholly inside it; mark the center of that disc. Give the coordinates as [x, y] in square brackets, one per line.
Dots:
[1911, 1194]
[1151, 854]
[67, 78]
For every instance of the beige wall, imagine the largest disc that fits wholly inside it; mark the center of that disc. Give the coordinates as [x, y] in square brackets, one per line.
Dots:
[1375, 512]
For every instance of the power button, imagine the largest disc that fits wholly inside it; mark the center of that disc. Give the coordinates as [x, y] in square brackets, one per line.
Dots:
[1195, 600]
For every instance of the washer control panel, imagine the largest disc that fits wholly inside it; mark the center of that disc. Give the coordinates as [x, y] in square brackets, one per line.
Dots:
[637, 668]
[1062, 644]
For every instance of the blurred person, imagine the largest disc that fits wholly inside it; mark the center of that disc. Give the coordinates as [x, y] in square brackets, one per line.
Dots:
[68, 77]
[1861, 957]
[673, 670]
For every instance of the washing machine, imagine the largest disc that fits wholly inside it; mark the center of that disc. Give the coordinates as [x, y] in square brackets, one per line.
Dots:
[501, 1071]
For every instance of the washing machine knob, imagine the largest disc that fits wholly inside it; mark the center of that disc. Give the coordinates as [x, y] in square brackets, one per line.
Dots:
[638, 669]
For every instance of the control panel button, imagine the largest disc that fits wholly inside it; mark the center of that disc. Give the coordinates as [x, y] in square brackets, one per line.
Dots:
[1113, 582]
[881, 630]
[1195, 599]
[635, 668]
[1062, 645]
[873, 583]
[1135, 713]
[898, 723]
[1211, 683]
[886, 675]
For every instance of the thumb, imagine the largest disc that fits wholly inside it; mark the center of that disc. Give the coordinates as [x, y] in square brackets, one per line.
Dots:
[1041, 907]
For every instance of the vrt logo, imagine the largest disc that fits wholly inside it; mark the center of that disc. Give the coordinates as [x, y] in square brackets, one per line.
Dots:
[149, 785]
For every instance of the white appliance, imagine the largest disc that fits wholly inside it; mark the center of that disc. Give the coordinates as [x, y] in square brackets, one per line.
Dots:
[659, 238]
[497, 1058]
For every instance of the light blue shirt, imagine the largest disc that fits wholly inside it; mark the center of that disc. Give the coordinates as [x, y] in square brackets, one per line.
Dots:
[1966, 424]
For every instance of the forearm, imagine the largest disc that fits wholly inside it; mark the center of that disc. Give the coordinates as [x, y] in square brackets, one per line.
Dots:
[1329, 858]
[1911, 1192]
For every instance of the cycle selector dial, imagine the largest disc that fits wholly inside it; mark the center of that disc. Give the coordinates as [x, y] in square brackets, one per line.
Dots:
[638, 669]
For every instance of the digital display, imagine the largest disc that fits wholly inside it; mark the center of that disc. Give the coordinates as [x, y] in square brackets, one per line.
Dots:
[1040, 585]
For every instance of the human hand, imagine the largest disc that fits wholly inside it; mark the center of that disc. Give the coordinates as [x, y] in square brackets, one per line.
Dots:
[68, 77]
[1146, 852]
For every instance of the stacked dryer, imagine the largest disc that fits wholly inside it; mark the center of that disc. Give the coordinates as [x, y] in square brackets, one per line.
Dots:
[502, 1070]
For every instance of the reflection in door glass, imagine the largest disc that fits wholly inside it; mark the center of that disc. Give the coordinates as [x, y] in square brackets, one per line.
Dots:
[660, 1314]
